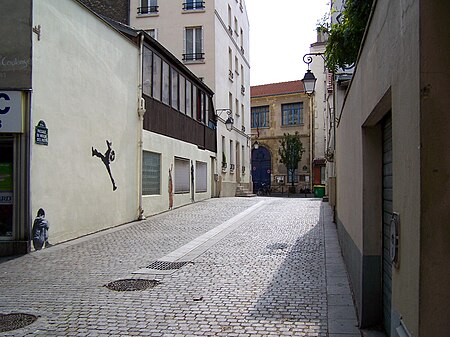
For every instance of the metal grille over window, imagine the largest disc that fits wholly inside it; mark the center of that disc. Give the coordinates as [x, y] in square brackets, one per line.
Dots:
[193, 5]
[182, 172]
[148, 7]
[292, 114]
[260, 117]
[201, 176]
[151, 173]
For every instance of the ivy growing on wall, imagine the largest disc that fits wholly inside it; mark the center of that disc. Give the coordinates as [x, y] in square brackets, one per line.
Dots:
[345, 36]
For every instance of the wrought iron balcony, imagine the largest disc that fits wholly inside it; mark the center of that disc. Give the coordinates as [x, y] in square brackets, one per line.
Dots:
[147, 10]
[193, 56]
[196, 5]
[242, 90]
[231, 167]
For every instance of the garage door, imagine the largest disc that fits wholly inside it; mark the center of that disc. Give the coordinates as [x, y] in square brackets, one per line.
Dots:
[387, 214]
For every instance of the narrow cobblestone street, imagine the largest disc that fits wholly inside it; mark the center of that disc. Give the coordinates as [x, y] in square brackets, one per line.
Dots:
[257, 267]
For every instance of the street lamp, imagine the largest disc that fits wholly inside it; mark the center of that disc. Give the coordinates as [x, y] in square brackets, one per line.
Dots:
[256, 145]
[309, 80]
[230, 121]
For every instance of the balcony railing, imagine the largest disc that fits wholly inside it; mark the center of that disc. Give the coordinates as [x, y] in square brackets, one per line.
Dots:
[242, 90]
[148, 10]
[230, 74]
[232, 167]
[193, 56]
[196, 5]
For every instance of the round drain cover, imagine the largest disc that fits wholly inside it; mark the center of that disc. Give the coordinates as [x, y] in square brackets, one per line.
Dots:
[131, 284]
[10, 322]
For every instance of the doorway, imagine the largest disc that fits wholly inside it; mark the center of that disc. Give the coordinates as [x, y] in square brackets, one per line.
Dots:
[387, 214]
[261, 167]
[6, 187]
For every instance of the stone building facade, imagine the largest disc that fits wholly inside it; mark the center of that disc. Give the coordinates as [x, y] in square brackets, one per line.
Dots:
[278, 109]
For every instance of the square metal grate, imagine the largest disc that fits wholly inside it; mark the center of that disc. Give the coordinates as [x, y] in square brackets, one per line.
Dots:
[165, 265]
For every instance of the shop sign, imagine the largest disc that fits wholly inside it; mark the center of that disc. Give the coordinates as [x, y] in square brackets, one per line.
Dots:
[11, 112]
[6, 198]
[41, 134]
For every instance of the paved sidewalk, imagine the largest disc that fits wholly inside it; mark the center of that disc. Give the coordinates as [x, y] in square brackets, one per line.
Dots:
[256, 267]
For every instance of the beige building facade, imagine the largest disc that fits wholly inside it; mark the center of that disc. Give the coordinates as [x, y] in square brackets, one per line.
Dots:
[393, 169]
[278, 109]
[212, 39]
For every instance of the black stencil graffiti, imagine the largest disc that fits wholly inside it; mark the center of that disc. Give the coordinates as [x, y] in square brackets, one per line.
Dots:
[107, 158]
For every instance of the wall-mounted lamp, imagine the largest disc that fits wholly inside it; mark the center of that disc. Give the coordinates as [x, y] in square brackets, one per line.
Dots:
[309, 80]
[230, 121]
[256, 145]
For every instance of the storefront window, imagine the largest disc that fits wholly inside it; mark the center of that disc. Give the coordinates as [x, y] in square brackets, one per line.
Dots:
[6, 187]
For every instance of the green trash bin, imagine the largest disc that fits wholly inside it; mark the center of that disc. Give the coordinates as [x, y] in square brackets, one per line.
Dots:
[319, 191]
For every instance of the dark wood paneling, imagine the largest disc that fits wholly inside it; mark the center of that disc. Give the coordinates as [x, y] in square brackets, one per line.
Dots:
[162, 119]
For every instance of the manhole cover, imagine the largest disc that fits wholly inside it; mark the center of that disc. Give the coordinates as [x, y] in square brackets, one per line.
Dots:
[131, 285]
[164, 265]
[10, 322]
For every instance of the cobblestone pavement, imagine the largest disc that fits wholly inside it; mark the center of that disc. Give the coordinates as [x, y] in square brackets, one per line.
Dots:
[263, 275]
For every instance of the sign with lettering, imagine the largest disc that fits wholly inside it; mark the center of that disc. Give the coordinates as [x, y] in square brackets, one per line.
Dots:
[41, 134]
[11, 112]
[6, 198]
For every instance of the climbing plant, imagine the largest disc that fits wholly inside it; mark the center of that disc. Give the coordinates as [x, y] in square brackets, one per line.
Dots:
[345, 36]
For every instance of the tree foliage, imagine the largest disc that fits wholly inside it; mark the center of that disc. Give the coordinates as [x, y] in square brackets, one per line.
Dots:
[291, 151]
[345, 37]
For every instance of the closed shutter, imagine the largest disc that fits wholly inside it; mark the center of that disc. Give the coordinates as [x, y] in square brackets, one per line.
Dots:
[387, 214]
[182, 172]
[200, 176]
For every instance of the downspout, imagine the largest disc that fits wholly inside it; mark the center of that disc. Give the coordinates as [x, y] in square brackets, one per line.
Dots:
[311, 142]
[141, 111]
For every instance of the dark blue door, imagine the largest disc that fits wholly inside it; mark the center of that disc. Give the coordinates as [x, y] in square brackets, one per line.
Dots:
[261, 167]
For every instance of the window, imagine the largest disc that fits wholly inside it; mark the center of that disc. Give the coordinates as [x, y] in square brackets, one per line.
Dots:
[231, 153]
[201, 176]
[291, 175]
[188, 98]
[174, 86]
[193, 5]
[195, 104]
[147, 72]
[151, 173]
[153, 33]
[193, 48]
[182, 94]
[148, 7]
[236, 65]
[291, 114]
[165, 83]
[230, 64]
[182, 173]
[260, 117]
[156, 77]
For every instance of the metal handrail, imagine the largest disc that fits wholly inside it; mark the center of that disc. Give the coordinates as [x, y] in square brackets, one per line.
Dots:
[147, 10]
[193, 56]
[187, 6]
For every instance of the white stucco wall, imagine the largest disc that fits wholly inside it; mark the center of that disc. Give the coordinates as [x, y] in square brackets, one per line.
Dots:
[170, 22]
[85, 78]
[389, 60]
[170, 148]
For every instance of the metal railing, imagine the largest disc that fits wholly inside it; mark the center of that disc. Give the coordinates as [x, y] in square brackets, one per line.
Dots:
[147, 10]
[193, 56]
[189, 6]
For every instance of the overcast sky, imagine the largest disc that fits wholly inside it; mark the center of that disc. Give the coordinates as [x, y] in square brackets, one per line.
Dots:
[281, 32]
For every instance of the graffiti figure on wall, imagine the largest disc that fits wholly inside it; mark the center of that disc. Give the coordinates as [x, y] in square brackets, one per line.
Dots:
[40, 231]
[107, 158]
[170, 188]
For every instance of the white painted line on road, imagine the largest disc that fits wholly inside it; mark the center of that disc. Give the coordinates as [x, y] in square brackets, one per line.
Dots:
[220, 230]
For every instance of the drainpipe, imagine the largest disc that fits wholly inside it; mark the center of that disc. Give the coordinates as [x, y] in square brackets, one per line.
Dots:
[141, 112]
[311, 141]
